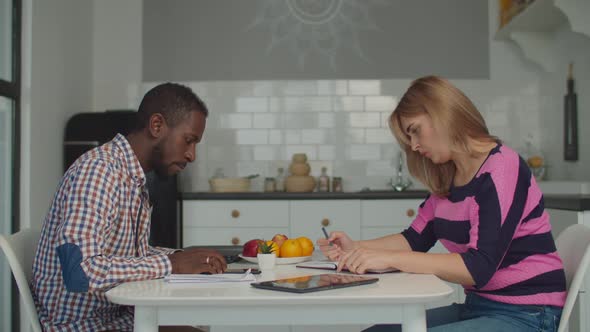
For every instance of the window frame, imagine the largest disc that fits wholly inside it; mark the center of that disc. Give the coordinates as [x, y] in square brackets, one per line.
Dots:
[12, 91]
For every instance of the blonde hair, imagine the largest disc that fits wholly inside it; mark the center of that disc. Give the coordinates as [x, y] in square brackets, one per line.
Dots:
[453, 114]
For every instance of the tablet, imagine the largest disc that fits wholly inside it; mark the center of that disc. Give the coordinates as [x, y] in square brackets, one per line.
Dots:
[314, 283]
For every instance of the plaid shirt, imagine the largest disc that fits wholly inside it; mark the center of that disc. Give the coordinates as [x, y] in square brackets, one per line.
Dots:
[94, 238]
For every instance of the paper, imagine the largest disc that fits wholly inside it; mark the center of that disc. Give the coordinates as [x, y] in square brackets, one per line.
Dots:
[329, 265]
[209, 278]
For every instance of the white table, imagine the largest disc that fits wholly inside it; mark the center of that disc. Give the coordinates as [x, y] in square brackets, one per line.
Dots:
[395, 298]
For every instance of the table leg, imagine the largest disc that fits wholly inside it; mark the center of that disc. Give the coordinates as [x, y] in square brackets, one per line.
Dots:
[414, 318]
[146, 319]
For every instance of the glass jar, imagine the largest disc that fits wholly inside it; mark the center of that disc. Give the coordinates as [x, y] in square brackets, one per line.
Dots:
[337, 184]
[269, 185]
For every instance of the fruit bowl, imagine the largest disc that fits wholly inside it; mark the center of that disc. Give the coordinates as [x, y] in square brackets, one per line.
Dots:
[280, 261]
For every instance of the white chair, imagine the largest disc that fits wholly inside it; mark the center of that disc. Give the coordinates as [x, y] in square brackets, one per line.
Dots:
[20, 249]
[573, 247]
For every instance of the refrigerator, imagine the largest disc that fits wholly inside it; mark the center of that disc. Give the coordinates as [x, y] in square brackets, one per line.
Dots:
[85, 131]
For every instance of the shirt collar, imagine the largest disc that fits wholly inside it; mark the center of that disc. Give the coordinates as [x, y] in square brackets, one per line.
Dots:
[130, 161]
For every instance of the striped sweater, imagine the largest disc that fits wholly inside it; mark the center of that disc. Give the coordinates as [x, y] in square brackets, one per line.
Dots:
[498, 224]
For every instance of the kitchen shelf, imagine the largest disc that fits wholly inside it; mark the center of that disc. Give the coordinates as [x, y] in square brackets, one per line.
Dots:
[534, 28]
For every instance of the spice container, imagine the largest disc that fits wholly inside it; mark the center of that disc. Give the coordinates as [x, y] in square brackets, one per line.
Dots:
[269, 184]
[337, 184]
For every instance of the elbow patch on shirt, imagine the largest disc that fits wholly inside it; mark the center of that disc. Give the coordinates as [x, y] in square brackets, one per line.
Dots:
[70, 258]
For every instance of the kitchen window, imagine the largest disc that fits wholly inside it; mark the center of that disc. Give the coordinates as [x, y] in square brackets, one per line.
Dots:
[10, 41]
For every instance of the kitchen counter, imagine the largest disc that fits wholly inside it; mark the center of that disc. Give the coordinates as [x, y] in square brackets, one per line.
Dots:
[580, 202]
[372, 194]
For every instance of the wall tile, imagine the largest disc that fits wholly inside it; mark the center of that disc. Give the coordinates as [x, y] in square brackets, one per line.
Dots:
[380, 103]
[266, 120]
[300, 120]
[353, 136]
[326, 120]
[349, 104]
[363, 152]
[251, 104]
[313, 136]
[265, 152]
[379, 136]
[333, 88]
[235, 121]
[300, 88]
[251, 136]
[310, 150]
[326, 152]
[275, 137]
[366, 88]
[292, 136]
[364, 120]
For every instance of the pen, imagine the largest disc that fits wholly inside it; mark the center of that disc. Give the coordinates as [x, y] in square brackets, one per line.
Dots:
[326, 234]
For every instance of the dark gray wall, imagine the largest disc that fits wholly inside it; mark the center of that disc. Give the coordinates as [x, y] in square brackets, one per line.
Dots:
[197, 40]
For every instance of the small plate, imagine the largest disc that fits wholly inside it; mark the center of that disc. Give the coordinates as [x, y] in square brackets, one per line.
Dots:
[280, 261]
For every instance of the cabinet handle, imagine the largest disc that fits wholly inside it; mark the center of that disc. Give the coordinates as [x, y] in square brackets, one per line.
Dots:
[410, 213]
[325, 222]
[235, 213]
[235, 240]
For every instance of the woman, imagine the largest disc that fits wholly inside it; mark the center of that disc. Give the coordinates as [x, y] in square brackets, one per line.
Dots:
[483, 206]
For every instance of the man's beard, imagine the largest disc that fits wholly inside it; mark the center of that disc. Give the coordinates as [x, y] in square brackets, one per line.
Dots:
[156, 158]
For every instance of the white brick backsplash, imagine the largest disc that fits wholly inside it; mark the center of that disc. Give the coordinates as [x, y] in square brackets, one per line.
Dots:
[266, 153]
[235, 121]
[380, 103]
[275, 137]
[353, 136]
[379, 136]
[263, 88]
[307, 104]
[313, 136]
[326, 120]
[333, 88]
[364, 120]
[292, 136]
[321, 104]
[252, 104]
[379, 168]
[299, 120]
[309, 150]
[300, 88]
[266, 120]
[254, 125]
[251, 136]
[363, 152]
[385, 119]
[349, 104]
[364, 87]
[326, 152]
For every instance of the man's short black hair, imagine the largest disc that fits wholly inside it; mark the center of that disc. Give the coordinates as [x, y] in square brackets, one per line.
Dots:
[174, 101]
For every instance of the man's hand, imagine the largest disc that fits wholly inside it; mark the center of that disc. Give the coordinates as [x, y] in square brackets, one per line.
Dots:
[194, 261]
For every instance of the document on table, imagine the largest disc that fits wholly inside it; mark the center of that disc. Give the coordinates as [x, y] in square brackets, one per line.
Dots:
[329, 265]
[209, 278]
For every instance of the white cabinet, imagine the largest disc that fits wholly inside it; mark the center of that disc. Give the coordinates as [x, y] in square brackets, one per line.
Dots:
[232, 222]
[307, 217]
[381, 217]
[534, 29]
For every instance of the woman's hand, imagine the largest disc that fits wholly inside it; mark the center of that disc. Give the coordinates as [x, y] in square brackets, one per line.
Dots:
[336, 245]
[360, 260]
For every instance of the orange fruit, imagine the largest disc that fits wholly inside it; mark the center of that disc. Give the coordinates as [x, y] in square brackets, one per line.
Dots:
[290, 248]
[306, 245]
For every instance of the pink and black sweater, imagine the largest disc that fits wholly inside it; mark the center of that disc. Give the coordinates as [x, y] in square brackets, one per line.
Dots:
[498, 224]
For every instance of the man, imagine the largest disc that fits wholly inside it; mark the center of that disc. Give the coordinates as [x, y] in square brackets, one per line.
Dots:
[96, 233]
